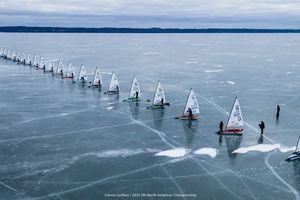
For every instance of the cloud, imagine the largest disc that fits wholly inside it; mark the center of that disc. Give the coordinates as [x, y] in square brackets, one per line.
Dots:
[175, 13]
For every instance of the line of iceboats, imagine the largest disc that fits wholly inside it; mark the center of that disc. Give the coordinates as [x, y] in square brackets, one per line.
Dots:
[234, 125]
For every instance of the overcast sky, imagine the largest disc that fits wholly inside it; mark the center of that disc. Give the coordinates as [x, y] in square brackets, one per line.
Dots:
[152, 13]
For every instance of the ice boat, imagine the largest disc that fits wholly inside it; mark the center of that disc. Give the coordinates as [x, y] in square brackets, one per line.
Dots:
[41, 63]
[97, 80]
[235, 121]
[82, 75]
[70, 72]
[114, 86]
[36, 61]
[159, 98]
[48, 67]
[135, 92]
[60, 68]
[296, 154]
[192, 104]
[29, 60]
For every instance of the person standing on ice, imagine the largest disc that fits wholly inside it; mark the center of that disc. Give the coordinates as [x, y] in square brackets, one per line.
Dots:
[278, 111]
[262, 127]
[189, 110]
[221, 126]
[137, 95]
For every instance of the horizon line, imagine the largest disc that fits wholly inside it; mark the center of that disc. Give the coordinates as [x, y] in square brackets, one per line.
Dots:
[58, 29]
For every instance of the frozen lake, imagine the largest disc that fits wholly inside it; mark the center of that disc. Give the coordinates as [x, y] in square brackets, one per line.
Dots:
[60, 140]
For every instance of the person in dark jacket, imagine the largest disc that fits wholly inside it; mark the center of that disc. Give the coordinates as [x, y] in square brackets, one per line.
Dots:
[221, 126]
[137, 95]
[262, 127]
[278, 111]
[189, 110]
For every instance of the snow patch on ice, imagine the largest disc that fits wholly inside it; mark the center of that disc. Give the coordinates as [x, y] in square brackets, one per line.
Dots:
[191, 62]
[212, 152]
[231, 82]
[64, 114]
[287, 149]
[214, 71]
[173, 153]
[259, 147]
[150, 53]
[109, 108]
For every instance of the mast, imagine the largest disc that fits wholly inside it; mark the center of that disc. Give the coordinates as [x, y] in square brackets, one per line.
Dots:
[230, 112]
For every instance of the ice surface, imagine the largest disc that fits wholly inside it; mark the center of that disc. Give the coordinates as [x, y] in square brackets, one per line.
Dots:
[60, 140]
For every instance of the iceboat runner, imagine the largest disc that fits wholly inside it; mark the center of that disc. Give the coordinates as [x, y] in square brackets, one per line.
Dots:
[114, 87]
[235, 121]
[135, 92]
[191, 110]
[296, 154]
[82, 76]
[70, 72]
[97, 81]
[159, 98]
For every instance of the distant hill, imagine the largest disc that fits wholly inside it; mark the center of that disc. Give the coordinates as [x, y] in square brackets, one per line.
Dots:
[23, 29]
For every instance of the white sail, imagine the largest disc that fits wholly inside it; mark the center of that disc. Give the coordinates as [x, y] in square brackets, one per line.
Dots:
[42, 62]
[114, 83]
[70, 71]
[4, 52]
[191, 103]
[60, 67]
[82, 76]
[18, 56]
[159, 94]
[235, 119]
[9, 54]
[13, 55]
[23, 57]
[36, 60]
[28, 59]
[1, 52]
[97, 77]
[134, 88]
